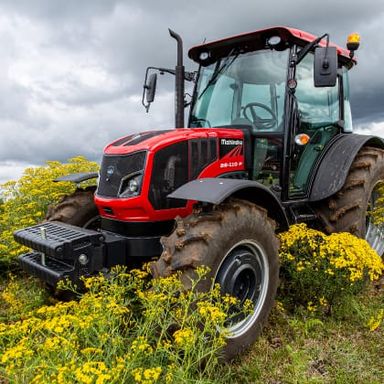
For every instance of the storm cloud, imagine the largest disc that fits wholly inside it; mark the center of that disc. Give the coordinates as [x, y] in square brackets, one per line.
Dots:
[71, 71]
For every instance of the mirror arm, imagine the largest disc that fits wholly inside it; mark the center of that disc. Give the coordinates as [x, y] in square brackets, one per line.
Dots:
[300, 56]
[188, 76]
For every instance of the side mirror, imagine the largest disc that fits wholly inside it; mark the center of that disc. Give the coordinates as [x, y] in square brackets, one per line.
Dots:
[150, 88]
[325, 67]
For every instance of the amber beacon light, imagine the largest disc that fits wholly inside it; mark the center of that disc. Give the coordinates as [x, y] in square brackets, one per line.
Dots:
[353, 43]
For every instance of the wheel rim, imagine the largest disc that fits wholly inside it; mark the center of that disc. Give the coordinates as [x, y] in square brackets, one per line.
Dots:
[244, 273]
[375, 232]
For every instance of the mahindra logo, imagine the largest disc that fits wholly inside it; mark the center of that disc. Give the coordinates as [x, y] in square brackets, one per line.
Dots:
[110, 172]
[231, 142]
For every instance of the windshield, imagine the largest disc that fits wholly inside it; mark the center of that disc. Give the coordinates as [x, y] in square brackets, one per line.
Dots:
[246, 89]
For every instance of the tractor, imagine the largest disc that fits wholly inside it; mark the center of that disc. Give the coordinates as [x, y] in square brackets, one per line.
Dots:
[268, 143]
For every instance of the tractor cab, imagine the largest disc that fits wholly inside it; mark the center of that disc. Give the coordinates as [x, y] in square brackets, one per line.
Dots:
[287, 88]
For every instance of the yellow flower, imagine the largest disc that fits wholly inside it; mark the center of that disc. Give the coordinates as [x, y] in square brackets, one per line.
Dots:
[230, 300]
[311, 307]
[209, 311]
[140, 274]
[375, 321]
[323, 301]
[140, 344]
[91, 351]
[146, 376]
[184, 337]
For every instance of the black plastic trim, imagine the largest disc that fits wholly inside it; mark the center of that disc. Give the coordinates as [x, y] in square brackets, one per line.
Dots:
[137, 229]
[77, 177]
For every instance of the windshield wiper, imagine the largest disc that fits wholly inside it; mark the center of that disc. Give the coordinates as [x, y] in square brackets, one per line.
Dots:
[227, 63]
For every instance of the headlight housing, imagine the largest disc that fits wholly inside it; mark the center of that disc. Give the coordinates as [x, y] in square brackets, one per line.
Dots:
[131, 185]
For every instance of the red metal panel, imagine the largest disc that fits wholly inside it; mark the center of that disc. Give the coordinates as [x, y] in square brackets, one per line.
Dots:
[139, 208]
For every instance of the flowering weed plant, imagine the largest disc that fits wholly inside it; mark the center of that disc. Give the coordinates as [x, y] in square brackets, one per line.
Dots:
[318, 270]
[124, 329]
[25, 201]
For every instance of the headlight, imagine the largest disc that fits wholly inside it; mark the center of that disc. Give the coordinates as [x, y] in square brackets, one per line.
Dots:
[131, 186]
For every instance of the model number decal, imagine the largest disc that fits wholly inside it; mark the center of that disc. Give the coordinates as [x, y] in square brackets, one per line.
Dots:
[231, 164]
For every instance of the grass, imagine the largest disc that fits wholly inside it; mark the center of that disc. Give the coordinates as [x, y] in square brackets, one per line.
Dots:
[294, 348]
[300, 349]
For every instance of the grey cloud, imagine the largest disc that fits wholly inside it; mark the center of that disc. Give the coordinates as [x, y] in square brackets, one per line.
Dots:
[54, 10]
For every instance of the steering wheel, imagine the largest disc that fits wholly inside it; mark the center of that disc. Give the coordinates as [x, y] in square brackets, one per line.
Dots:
[261, 124]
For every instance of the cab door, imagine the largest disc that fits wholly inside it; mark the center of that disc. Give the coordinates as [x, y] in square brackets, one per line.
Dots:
[318, 117]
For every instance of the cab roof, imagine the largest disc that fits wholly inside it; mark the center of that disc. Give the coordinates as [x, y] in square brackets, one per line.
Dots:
[257, 40]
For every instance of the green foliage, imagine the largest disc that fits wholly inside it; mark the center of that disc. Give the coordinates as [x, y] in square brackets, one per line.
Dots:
[20, 296]
[319, 270]
[126, 328]
[26, 200]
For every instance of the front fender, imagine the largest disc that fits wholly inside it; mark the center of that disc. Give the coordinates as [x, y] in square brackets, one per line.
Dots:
[331, 173]
[216, 190]
[78, 177]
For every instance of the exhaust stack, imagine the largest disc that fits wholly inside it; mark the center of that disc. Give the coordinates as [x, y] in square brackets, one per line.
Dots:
[179, 82]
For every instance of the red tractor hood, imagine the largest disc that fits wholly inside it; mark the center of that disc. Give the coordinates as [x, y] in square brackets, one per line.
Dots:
[154, 140]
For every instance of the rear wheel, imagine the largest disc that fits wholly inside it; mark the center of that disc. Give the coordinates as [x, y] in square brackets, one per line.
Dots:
[349, 209]
[238, 243]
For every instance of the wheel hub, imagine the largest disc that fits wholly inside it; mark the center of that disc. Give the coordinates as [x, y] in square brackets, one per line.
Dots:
[244, 274]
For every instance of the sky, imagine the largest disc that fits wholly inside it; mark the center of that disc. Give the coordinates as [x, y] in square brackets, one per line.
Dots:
[71, 72]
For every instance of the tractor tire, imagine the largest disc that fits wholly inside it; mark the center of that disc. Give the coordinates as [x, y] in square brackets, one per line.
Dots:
[348, 210]
[77, 209]
[237, 242]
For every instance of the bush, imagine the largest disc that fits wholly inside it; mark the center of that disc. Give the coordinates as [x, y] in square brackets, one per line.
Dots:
[25, 201]
[318, 270]
[124, 329]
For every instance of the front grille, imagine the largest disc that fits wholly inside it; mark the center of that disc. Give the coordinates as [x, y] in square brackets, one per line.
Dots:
[115, 168]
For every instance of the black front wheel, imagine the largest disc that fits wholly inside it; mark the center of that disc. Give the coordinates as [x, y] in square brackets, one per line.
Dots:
[237, 242]
[78, 209]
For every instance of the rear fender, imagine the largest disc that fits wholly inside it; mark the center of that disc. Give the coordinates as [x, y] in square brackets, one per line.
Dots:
[216, 190]
[331, 173]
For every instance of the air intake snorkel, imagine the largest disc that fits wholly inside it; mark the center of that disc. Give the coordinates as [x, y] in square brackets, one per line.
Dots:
[179, 82]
